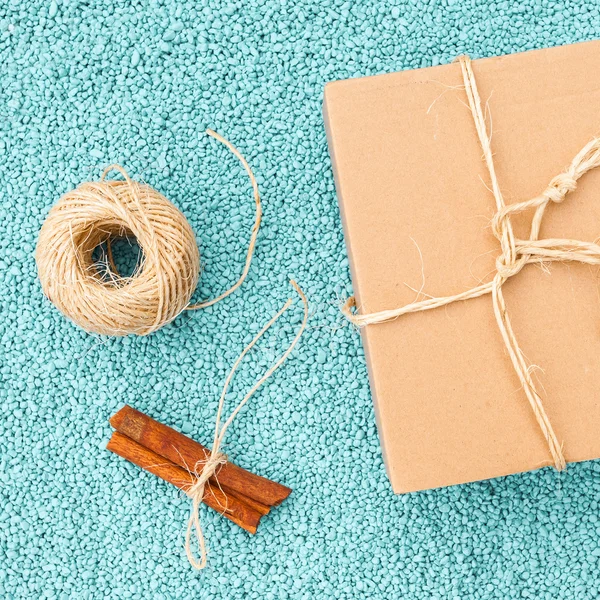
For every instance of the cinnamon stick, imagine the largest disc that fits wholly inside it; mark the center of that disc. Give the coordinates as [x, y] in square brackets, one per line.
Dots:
[185, 452]
[228, 505]
[259, 507]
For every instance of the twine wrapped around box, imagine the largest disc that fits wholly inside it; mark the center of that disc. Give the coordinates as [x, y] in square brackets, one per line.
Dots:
[516, 253]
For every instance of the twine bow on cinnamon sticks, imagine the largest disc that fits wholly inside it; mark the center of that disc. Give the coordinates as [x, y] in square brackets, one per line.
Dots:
[516, 253]
[239, 495]
[200, 476]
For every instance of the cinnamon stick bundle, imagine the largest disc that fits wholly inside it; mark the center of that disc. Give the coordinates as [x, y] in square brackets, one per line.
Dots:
[229, 506]
[241, 496]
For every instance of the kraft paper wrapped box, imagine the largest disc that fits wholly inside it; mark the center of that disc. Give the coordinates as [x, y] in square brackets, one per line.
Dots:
[416, 207]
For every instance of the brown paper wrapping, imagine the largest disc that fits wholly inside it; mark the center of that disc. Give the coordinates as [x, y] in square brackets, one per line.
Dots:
[411, 183]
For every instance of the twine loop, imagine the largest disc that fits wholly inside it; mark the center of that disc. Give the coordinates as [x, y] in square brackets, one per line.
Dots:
[515, 254]
[203, 471]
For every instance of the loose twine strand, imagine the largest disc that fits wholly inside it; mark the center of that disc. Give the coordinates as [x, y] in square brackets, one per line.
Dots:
[206, 469]
[98, 212]
[516, 253]
[255, 227]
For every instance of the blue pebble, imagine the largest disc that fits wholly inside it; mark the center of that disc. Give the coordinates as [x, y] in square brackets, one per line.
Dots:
[87, 83]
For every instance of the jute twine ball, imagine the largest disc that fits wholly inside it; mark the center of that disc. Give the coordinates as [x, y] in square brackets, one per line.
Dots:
[96, 296]
[97, 213]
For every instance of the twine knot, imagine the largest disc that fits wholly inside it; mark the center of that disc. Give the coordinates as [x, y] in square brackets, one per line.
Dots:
[515, 254]
[204, 470]
[559, 187]
[509, 266]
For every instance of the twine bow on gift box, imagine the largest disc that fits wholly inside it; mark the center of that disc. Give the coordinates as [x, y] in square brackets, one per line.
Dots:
[516, 253]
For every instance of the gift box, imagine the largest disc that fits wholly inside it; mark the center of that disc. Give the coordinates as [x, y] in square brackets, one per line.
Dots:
[417, 206]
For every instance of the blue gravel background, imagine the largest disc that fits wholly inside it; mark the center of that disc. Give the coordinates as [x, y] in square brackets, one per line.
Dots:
[85, 83]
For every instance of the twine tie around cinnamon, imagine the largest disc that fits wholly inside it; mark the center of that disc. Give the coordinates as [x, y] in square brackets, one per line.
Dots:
[515, 254]
[209, 468]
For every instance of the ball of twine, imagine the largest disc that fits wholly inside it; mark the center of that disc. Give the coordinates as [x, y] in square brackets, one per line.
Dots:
[99, 299]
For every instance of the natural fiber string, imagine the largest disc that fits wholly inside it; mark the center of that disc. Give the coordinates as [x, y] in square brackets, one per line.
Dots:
[516, 253]
[96, 213]
[255, 227]
[154, 295]
[206, 469]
